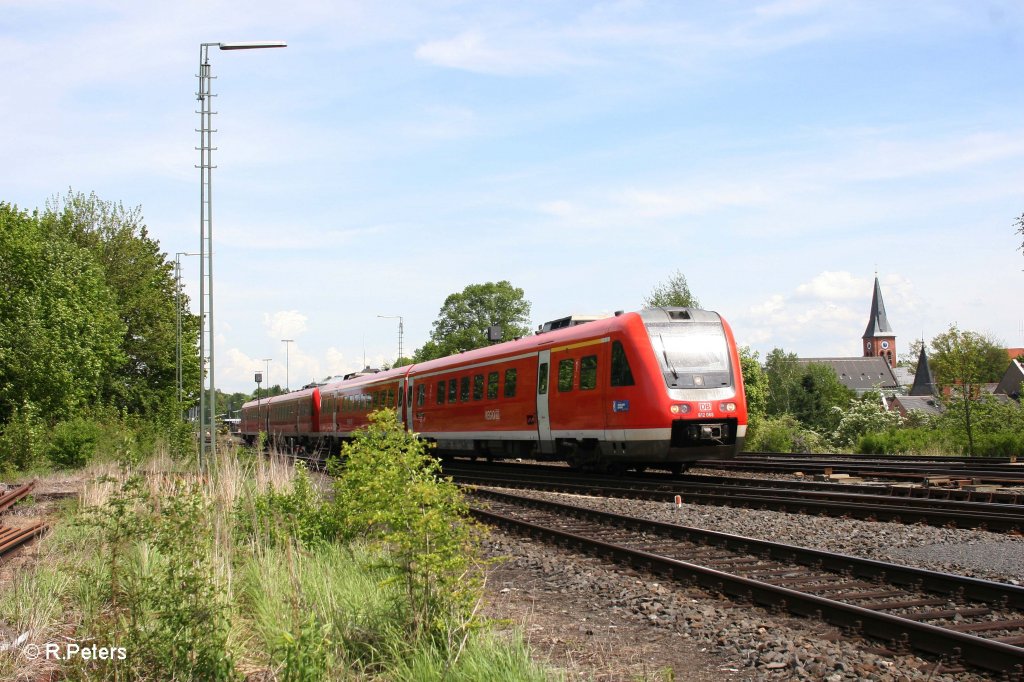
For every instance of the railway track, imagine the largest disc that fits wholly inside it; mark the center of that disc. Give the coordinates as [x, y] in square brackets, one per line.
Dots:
[876, 503]
[976, 470]
[12, 538]
[974, 622]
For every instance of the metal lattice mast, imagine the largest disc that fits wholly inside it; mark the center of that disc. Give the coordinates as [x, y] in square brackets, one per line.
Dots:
[207, 396]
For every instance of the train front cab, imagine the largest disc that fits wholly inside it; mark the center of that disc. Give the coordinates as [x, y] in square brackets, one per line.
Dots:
[676, 390]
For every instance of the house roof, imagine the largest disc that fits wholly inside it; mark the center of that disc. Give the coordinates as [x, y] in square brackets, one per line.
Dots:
[860, 374]
[917, 403]
[1012, 380]
[878, 323]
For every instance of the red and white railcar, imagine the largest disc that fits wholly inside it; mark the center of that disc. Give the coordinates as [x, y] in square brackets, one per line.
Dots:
[657, 388]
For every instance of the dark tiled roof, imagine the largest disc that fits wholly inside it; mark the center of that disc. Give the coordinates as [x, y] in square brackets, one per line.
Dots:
[878, 323]
[859, 374]
[917, 403]
[1012, 380]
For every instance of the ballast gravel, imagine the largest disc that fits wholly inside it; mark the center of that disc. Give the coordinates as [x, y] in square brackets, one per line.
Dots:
[748, 642]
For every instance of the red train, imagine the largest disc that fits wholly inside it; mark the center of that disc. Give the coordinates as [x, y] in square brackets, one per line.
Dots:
[657, 388]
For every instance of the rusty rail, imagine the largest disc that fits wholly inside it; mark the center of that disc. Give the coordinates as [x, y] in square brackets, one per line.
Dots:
[11, 538]
[12, 496]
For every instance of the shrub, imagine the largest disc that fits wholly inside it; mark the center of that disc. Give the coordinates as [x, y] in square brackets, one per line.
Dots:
[783, 434]
[389, 492]
[73, 443]
[22, 440]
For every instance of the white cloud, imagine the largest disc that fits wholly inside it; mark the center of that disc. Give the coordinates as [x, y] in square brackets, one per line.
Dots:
[836, 285]
[284, 324]
[525, 53]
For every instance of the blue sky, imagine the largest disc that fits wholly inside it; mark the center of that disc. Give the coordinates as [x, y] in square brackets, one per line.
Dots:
[778, 153]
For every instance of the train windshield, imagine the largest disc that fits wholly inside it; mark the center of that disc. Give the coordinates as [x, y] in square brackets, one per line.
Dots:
[692, 354]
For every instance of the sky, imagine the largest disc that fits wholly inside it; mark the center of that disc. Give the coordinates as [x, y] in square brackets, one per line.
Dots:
[777, 153]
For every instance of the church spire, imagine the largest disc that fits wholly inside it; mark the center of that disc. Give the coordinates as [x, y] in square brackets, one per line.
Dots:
[879, 339]
[924, 384]
[878, 323]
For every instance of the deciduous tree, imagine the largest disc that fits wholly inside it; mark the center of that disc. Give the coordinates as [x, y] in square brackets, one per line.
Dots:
[60, 337]
[462, 323]
[675, 292]
[141, 279]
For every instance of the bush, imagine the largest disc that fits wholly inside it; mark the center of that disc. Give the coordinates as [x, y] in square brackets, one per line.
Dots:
[389, 491]
[277, 518]
[783, 434]
[73, 443]
[22, 441]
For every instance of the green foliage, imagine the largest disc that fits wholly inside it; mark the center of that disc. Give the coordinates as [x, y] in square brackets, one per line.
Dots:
[808, 392]
[463, 320]
[166, 605]
[673, 293]
[22, 442]
[783, 434]
[862, 416]
[277, 518]
[755, 384]
[904, 441]
[72, 443]
[963, 360]
[60, 340]
[141, 280]
[966, 358]
[1019, 222]
[389, 492]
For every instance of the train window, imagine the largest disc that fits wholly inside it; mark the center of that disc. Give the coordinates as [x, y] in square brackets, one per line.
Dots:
[453, 390]
[492, 385]
[464, 389]
[588, 373]
[621, 374]
[441, 389]
[478, 386]
[421, 394]
[566, 370]
[391, 397]
[401, 394]
[408, 397]
[510, 383]
[542, 378]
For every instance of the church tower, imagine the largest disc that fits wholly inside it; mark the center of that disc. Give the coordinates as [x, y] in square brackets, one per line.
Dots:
[879, 339]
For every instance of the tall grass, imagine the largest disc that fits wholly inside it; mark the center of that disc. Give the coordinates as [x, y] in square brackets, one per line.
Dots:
[241, 569]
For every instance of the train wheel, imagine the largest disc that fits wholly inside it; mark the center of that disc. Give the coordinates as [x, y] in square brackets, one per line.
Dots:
[676, 468]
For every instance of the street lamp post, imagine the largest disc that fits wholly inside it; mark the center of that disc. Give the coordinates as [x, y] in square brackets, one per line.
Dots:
[287, 382]
[401, 330]
[177, 310]
[208, 396]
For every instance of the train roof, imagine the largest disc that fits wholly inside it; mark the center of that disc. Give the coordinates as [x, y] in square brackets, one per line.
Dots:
[528, 344]
[308, 391]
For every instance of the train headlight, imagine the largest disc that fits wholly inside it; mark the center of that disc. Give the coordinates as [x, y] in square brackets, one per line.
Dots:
[679, 409]
[728, 407]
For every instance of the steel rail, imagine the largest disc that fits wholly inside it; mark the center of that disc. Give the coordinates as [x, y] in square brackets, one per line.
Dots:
[12, 496]
[967, 648]
[995, 517]
[11, 538]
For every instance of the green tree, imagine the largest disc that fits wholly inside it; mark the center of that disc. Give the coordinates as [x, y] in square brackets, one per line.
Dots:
[963, 361]
[60, 337]
[782, 372]
[862, 416]
[820, 392]
[1020, 228]
[462, 323]
[142, 281]
[755, 384]
[673, 293]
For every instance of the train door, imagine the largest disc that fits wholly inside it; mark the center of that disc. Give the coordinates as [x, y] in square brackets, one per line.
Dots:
[544, 442]
[408, 404]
